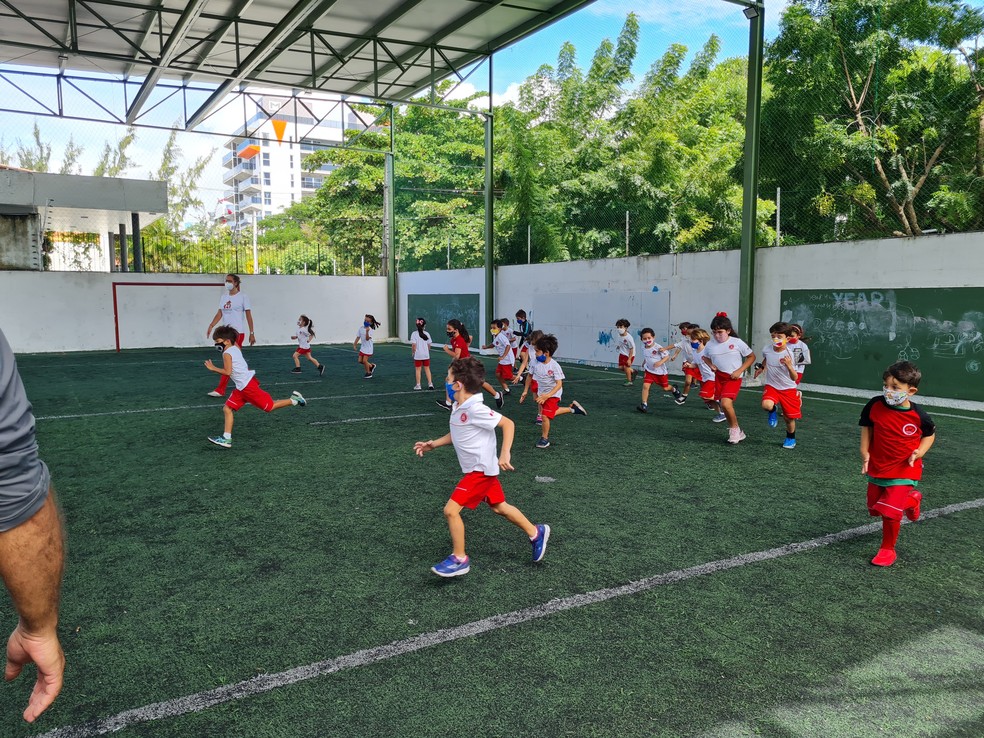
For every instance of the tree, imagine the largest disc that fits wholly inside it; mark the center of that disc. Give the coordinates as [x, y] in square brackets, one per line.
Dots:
[114, 160]
[36, 155]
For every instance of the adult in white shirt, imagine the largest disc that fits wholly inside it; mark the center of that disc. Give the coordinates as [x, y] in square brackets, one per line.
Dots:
[234, 311]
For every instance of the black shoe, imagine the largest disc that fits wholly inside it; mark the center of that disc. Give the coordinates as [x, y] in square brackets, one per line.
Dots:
[321, 370]
[642, 408]
[372, 369]
[296, 370]
[499, 400]
[430, 386]
[680, 399]
[443, 405]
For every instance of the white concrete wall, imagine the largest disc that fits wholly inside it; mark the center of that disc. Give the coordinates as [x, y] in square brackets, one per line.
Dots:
[49, 311]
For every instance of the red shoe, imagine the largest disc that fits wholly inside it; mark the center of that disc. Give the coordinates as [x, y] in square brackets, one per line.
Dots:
[884, 557]
[913, 512]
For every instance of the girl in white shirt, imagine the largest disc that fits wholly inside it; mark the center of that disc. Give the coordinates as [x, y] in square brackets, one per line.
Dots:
[729, 357]
[305, 332]
[363, 342]
[420, 343]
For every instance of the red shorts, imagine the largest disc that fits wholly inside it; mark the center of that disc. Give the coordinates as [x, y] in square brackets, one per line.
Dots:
[504, 371]
[251, 393]
[725, 386]
[366, 356]
[303, 352]
[692, 371]
[534, 387]
[890, 502]
[662, 380]
[623, 360]
[549, 408]
[790, 400]
[421, 362]
[799, 377]
[477, 487]
[708, 389]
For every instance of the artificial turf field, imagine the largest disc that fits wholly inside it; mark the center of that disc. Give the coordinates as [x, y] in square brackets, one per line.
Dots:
[308, 544]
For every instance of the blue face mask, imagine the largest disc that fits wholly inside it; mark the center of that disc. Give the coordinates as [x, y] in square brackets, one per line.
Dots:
[541, 358]
[365, 324]
[695, 344]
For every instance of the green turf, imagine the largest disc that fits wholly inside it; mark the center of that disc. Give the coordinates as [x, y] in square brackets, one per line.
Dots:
[192, 566]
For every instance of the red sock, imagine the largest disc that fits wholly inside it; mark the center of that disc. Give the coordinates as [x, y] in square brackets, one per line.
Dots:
[890, 533]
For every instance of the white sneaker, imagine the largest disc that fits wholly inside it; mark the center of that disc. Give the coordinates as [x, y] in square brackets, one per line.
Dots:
[735, 435]
[416, 386]
[213, 393]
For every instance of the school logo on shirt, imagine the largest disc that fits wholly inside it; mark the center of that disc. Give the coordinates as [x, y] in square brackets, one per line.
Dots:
[909, 429]
[227, 305]
[464, 417]
[731, 347]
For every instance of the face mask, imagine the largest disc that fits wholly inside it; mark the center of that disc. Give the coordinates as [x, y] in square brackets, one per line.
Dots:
[450, 334]
[541, 358]
[520, 321]
[648, 344]
[722, 340]
[794, 339]
[230, 286]
[778, 342]
[419, 324]
[365, 324]
[494, 331]
[894, 397]
[695, 344]
[621, 331]
[220, 347]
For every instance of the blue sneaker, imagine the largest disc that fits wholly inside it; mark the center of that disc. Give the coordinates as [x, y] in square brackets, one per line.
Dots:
[789, 443]
[296, 398]
[773, 418]
[451, 567]
[542, 443]
[719, 418]
[221, 441]
[540, 542]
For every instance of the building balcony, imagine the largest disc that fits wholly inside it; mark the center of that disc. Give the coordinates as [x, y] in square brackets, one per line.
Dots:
[250, 186]
[239, 173]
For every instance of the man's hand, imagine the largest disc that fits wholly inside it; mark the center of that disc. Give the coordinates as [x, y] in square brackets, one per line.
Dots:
[45, 651]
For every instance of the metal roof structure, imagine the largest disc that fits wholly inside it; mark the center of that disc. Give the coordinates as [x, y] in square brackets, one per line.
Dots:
[381, 49]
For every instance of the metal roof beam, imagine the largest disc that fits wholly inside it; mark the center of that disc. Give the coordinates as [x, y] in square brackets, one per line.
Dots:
[302, 13]
[174, 40]
[236, 12]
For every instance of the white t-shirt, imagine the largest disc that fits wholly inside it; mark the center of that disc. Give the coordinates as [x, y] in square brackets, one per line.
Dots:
[303, 338]
[501, 345]
[706, 373]
[728, 356]
[234, 309]
[546, 375]
[512, 338]
[686, 350]
[801, 353]
[653, 354]
[473, 435]
[776, 375]
[625, 345]
[241, 373]
[421, 346]
[366, 337]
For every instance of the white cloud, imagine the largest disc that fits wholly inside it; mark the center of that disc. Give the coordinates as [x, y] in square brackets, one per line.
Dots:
[685, 14]
[467, 89]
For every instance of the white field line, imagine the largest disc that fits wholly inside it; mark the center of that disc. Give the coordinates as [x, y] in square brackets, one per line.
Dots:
[366, 420]
[268, 682]
[861, 404]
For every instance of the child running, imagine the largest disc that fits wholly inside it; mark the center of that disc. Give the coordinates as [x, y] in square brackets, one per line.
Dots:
[363, 342]
[525, 369]
[502, 346]
[473, 437]
[625, 346]
[420, 343]
[801, 352]
[699, 338]
[522, 333]
[895, 435]
[654, 358]
[247, 388]
[691, 372]
[725, 356]
[305, 332]
[780, 383]
[549, 378]
[459, 349]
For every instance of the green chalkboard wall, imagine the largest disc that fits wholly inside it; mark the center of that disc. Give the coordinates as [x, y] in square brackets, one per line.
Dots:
[857, 333]
[437, 310]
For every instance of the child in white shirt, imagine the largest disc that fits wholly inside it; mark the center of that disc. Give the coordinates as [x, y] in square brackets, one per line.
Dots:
[549, 378]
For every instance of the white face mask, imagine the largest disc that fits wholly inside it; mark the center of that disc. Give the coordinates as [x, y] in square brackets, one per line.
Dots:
[648, 344]
[894, 397]
[230, 286]
[621, 331]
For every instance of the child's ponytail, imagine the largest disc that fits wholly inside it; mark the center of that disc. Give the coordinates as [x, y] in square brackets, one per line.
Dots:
[309, 324]
[420, 328]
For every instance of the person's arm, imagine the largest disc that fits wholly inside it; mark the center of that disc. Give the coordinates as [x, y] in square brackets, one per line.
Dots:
[422, 447]
[865, 447]
[508, 433]
[749, 360]
[924, 445]
[249, 322]
[217, 317]
[526, 385]
[32, 559]
[790, 363]
[226, 366]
